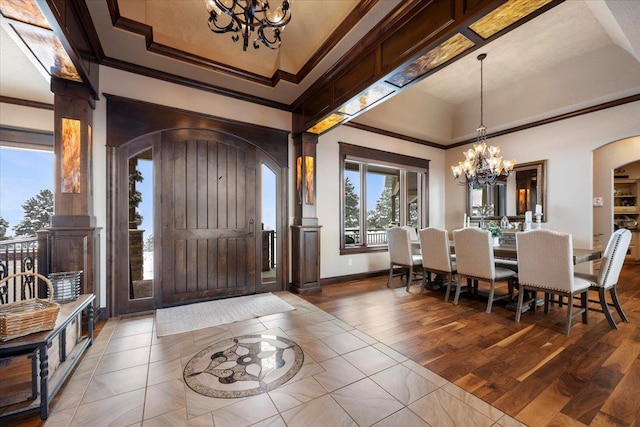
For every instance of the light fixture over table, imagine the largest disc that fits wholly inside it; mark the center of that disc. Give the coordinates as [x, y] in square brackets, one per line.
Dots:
[243, 17]
[483, 164]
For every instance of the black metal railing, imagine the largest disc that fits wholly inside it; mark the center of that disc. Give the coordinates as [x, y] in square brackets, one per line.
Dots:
[268, 249]
[18, 256]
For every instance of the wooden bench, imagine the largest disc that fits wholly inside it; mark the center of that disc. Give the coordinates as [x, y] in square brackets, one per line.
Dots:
[52, 354]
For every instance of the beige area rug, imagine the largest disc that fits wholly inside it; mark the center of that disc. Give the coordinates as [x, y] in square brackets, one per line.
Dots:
[184, 318]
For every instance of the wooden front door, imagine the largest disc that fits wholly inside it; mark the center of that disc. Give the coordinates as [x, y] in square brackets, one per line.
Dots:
[208, 216]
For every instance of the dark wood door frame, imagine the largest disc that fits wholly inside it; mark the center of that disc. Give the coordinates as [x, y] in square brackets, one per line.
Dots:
[133, 126]
[118, 228]
[282, 248]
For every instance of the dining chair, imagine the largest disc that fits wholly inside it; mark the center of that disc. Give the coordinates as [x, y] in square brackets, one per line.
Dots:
[545, 263]
[475, 262]
[607, 277]
[413, 234]
[436, 257]
[400, 254]
[413, 237]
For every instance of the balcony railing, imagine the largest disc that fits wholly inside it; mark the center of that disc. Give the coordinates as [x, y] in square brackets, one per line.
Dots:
[374, 237]
[18, 256]
[268, 249]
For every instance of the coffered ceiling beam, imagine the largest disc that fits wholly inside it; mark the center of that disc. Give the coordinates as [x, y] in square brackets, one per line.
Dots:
[417, 39]
[67, 23]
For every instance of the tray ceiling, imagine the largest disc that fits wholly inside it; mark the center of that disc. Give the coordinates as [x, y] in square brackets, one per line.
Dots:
[174, 38]
[183, 26]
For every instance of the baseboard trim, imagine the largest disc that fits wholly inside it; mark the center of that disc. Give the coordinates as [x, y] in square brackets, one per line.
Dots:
[351, 277]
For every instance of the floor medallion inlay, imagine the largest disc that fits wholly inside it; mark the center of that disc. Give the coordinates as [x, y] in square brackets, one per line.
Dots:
[243, 366]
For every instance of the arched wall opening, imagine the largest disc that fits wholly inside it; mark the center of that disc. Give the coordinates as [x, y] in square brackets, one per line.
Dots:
[605, 160]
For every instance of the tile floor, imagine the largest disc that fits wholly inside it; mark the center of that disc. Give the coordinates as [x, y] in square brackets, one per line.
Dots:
[129, 377]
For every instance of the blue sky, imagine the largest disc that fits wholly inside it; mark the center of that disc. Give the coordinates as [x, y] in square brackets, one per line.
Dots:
[145, 208]
[268, 198]
[23, 173]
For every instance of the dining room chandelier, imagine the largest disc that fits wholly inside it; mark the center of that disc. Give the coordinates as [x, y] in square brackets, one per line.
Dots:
[483, 164]
[243, 17]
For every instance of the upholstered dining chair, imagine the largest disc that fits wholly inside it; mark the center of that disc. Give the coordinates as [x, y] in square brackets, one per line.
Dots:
[400, 254]
[436, 257]
[413, 236]
[607, 277]
[475, 262]
[545, 263]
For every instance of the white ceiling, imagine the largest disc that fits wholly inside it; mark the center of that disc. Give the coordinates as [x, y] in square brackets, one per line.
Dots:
[569, 30]
[560, 41]
[570, 57]
[19, 77]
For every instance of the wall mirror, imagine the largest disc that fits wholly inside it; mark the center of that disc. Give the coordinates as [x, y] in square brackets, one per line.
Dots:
[512, 197]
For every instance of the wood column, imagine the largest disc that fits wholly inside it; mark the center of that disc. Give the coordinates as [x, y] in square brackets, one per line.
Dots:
[305, 233]
[72, 240]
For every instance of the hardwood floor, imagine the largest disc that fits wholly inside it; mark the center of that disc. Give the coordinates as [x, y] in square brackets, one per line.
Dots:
[530, 370]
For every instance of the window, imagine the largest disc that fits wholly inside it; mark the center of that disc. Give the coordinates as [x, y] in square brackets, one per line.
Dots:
[26, 191]
[379, 190]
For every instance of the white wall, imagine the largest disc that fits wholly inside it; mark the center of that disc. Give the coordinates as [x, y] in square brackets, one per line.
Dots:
[430, 117]
[332, 263]
[20, 116]
[568, 146]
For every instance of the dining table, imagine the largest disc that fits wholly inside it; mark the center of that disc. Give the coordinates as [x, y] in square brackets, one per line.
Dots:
[509, 252]
[505, 254]
[579, 255]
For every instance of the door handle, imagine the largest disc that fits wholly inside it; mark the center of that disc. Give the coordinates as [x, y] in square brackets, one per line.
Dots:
[251, 227]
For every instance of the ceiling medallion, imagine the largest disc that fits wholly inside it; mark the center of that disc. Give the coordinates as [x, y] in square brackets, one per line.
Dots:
[243, 17]
[483, 164]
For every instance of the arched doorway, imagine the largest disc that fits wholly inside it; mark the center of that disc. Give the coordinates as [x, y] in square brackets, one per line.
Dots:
[605, 160]
[208, 210]
[194, 259]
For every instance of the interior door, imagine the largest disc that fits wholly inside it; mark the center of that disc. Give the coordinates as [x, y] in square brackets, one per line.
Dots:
[208, 216]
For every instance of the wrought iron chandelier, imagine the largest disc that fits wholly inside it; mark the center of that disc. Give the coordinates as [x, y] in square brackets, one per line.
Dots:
[483, 164]
[243, 17]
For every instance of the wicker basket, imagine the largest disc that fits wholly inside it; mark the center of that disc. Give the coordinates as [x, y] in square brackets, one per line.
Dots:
[66, 286]
[26, 317]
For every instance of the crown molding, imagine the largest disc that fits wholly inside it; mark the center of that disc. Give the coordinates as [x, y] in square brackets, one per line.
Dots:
[26, 103]
[383, 132]
[195, 84]
[553, 119]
